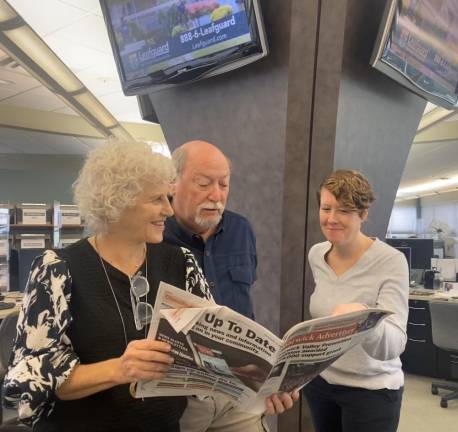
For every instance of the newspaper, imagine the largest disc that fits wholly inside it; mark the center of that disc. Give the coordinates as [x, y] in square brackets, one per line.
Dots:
[219, 351]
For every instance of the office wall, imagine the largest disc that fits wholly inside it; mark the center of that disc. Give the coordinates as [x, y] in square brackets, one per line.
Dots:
[38, 178]
[403, 219]
[441, 208]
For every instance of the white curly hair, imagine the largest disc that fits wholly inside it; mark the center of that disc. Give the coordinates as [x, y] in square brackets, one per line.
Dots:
[113, 176]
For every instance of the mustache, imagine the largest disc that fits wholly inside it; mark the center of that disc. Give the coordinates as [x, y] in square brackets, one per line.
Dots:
[211, 205]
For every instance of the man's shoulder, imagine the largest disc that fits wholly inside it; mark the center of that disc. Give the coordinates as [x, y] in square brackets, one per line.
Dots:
[170, 224]
[166, 250]
[233, 218]
[173, 232]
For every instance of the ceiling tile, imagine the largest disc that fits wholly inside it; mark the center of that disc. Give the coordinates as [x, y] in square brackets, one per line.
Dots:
[38, 98]
[60, 144]
[98, 83]
[87, 5]
[91, 143]
[6, 92]
[47, 16]
[430, 160]
[89, 31]
[66, 110]
[17, 82]
[77, 57]
[118, 104]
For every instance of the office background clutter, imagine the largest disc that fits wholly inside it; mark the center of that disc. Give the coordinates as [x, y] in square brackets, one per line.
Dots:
[312, 105]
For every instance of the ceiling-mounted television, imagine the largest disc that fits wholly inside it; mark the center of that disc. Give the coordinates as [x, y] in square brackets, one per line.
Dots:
[160, 43]
[417, 45]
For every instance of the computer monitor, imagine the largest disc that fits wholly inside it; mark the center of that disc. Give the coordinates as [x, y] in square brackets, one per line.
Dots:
[421, 251]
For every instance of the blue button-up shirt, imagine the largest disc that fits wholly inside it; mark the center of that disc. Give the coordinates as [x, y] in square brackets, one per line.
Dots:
[227, 258]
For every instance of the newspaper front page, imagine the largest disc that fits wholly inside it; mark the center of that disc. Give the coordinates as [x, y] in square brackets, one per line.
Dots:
[219, 351]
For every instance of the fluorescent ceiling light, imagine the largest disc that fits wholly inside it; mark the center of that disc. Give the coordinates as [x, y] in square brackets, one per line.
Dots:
[92, 104]
[432, 186]
[6, 12]
[120, 133]
[34, 47]
[21, 42]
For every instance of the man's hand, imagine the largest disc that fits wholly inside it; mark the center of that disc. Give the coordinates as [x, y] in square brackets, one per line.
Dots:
[278, 403]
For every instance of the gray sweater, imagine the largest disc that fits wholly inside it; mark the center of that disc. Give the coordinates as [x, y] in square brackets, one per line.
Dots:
[380, 279]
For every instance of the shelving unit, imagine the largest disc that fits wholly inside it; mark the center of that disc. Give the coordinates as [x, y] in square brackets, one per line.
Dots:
[4, 246]
[65, 231]
[55, 228]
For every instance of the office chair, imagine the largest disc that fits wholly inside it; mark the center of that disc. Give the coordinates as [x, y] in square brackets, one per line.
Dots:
[444, 322]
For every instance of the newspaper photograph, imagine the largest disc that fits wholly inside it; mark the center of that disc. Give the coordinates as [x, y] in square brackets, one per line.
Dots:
[219, 351]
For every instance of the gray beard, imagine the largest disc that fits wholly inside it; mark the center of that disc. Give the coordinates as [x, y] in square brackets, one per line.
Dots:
[207, 223]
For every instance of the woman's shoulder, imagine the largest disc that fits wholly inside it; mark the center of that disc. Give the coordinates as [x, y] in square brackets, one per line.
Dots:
[49, 259]
[388, 256]
[48, 266]
[166, 250]
[319, 249]
[166, 256]
[384, 249]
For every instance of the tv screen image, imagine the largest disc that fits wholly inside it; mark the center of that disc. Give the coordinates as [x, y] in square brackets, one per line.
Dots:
[418, 46]
[157, 42]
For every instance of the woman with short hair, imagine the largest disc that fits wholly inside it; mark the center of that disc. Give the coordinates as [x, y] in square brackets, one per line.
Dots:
[362, 390]
[83, 326]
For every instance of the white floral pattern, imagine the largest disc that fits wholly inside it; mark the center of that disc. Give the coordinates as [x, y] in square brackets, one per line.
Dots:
[195, 279]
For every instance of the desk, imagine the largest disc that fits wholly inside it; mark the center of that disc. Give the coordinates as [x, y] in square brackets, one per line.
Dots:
[12, 296]
[421, 356]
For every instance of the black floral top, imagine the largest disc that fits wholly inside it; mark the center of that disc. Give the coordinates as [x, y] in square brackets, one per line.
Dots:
[44, 355]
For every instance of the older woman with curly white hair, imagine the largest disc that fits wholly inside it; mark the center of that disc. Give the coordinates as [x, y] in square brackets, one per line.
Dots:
[82, 329]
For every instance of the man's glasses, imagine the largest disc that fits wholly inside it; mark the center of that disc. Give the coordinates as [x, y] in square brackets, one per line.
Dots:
[143, 312]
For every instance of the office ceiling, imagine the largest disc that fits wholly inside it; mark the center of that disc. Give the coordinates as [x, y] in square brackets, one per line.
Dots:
[433, 156]
[75, 30]
[14, 141]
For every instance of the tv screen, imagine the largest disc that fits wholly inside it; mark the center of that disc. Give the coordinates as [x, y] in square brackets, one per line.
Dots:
[417, 45]
[158, 43]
